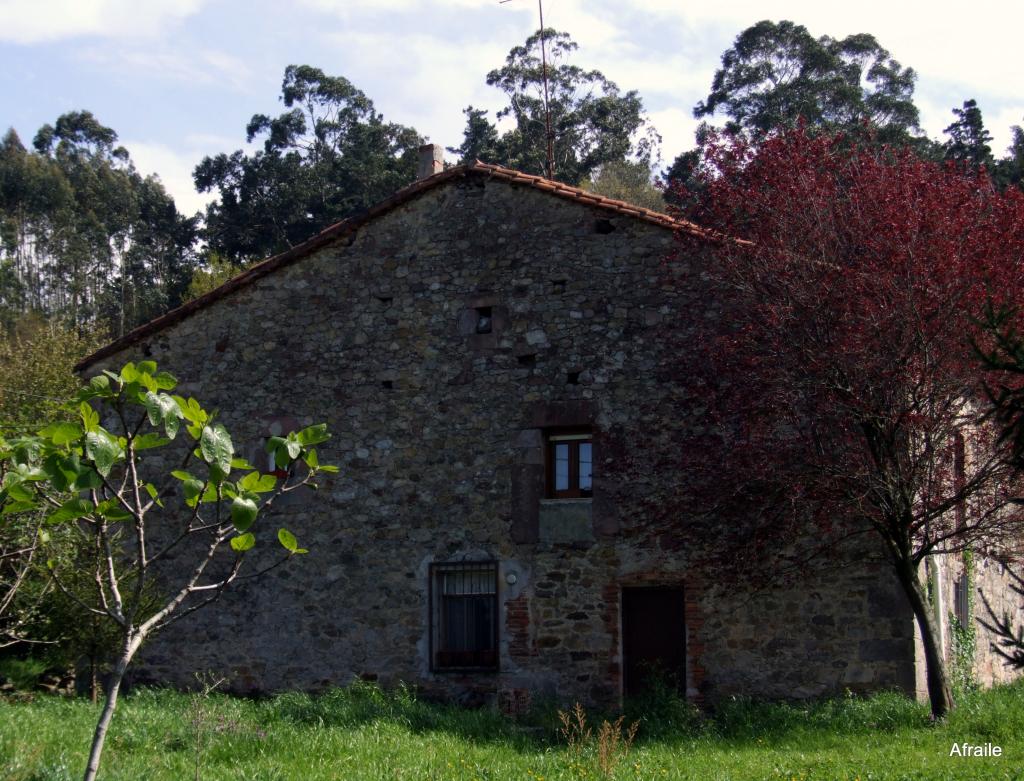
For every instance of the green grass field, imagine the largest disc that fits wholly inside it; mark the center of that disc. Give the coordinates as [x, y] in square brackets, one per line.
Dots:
[363, 733]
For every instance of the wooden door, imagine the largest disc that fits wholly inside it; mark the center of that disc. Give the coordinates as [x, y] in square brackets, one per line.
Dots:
[653, 637]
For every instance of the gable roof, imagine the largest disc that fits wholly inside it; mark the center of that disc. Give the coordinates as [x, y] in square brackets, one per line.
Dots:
[348, 226]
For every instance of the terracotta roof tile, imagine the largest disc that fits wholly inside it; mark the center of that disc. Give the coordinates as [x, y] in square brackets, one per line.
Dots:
[349, 226]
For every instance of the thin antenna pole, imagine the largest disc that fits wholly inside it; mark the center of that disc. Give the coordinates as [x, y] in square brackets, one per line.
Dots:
[550, 137]
[547, 109]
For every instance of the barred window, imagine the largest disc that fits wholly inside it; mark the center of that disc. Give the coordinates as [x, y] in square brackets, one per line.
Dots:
[960, 599]
[464, 615]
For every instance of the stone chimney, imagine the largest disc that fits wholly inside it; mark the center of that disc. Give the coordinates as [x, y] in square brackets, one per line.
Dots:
[431, 160]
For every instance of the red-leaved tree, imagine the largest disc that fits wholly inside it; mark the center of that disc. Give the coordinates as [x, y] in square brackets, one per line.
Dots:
[842, 393]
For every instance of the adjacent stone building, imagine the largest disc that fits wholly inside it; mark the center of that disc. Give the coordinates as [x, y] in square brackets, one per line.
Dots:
[483, 349]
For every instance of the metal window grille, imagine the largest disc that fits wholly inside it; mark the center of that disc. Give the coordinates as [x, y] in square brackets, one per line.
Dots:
[464, 615]
[960, 596]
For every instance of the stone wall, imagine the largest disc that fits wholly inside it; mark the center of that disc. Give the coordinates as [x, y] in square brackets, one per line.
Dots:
[439, 433]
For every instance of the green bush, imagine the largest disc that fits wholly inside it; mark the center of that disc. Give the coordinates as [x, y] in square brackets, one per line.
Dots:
[22, 673]
[663, 712]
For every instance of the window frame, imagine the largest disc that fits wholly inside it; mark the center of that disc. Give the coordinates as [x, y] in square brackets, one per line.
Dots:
[436, 613]
[574, 437]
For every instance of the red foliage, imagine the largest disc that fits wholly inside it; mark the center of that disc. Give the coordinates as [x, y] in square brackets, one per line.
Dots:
[842, 376]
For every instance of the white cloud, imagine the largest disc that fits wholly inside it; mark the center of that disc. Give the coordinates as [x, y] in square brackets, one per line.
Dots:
[174, 169]
[430, 79]
[347, 7]
[36, 21]
[677, 127]
[167, 63]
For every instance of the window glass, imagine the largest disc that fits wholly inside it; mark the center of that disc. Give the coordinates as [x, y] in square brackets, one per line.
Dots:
[561, 467]
[585, 467]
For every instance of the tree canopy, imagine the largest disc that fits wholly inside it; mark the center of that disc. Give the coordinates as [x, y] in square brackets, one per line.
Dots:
[83, 236]
[593, 122]
[968, 139]
[777, 73]
[841, 395]
[329, 156]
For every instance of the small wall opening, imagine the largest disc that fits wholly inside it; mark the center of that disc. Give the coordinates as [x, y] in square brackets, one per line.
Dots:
[484, 319]
[603, 226]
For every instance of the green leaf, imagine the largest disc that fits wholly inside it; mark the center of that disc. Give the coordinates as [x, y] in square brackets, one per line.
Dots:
[18, 507]
[216, 448]
[112, 510]
[241, 463]
[191, 488]
[150, 440]
[161, 408]
[101, 448]
[293, 448]
[146, 367]
[192, 411]
[27, 450]
[129, 373]
[62, 433]
[243, 542]
[311, 459]
[153, 494]
[87, 479]
[313, 435]
[243, 513]
[287, 539]
[98, 386]
[181, 474]
[70, 510]
[328, 469]
[21, 493]
[55, 467]
[90, 417]
[258, 483]
[165, 381]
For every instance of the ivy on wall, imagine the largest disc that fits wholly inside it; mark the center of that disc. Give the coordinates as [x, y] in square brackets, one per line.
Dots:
[964, 637]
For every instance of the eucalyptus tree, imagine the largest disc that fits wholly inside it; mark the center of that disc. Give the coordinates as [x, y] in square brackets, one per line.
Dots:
[329, 156]
[776, 74]
[593, 123]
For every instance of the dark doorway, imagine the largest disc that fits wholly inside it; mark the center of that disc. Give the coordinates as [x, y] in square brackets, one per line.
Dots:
[653, 638]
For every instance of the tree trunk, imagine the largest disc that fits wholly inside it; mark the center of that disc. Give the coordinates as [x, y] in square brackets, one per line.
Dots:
[113, 687]
[939, 693]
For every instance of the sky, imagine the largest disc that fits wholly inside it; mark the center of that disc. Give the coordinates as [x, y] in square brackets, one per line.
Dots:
[179, 79]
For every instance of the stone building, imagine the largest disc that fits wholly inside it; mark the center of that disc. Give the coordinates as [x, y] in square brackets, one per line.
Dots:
[482, 346]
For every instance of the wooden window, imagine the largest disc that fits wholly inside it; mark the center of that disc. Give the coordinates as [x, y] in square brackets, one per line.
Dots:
[464, 615]
[570, 464]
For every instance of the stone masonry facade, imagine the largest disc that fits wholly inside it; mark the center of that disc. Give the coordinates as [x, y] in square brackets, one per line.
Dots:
[441, 427]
